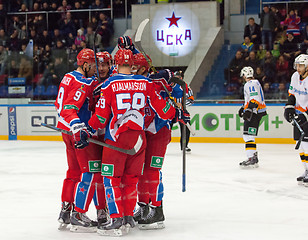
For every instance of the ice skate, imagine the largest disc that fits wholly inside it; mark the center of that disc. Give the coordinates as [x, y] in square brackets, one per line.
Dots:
[141, 212]
[252, 162]
[115, 228]
[300, 179]
[81, 223]
[102, 217]
[65, 215]
[188, 150]
[128, 223]
[154, 220]
[305, 181]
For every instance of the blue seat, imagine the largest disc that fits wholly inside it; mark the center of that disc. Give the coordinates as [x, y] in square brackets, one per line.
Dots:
[51, 91]
[274, 86]
[4, 91]
[39, 91]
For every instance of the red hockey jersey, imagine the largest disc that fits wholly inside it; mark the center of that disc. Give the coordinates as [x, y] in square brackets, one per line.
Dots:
[73, 100]
[122, 102]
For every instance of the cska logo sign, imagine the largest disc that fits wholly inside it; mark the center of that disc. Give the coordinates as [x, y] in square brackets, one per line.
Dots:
[175, 32]
[171, 38]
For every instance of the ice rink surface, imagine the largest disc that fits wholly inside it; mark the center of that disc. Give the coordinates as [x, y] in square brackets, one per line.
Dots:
[222, 201]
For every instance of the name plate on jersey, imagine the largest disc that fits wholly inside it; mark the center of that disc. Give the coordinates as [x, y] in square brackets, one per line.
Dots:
[95, 166]
[157, 162]
[107, 169]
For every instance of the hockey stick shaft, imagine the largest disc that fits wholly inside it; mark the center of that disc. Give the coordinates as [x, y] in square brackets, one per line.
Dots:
[126, 151]
[95, 57]
[176, 106]
[295, 123]
[184, 143]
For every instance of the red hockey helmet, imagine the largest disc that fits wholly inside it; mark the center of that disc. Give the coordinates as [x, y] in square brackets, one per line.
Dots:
[140, 61]
[125, 42]
[85, 55]
[104, 57]
[124, 57]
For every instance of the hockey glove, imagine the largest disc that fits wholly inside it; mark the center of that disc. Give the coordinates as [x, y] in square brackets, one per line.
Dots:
[241, 112]
[289, 112]
[247, 114]
[81, 135]
[182, 116]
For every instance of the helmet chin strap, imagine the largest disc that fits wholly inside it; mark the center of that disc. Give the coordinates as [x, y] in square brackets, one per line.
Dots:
[85, 70]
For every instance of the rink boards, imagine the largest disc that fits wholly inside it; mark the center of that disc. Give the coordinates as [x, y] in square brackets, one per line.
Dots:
[210, 122]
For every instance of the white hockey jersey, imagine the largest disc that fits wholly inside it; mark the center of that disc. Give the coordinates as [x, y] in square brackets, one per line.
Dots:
[253, 92]
[299, 88]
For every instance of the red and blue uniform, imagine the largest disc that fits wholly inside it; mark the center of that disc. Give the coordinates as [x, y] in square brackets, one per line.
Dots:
[72, 104]
[158, 135]
[121, 109]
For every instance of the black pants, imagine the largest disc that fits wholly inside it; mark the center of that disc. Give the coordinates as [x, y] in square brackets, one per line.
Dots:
[187, 134]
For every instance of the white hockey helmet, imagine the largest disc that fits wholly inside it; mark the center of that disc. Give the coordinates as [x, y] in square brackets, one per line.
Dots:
[247, 72]
[301, 59]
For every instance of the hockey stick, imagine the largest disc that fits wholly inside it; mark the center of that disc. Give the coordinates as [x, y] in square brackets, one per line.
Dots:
[132, 151]
[138, 42]
[94, 49]
[176, 106]
[295, 123]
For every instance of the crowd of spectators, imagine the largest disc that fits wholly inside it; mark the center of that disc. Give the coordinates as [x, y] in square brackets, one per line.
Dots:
[56, 40]
[270, 49]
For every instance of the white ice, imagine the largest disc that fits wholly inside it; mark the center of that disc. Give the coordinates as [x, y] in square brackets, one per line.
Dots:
[222, 201]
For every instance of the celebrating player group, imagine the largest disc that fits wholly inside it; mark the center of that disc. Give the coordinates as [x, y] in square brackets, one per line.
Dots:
[117, 101]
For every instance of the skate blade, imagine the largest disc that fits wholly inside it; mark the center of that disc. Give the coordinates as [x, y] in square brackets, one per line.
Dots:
[157, 225]
[63, 227]
[112, 232]
[249, 166]
[81, 229]
[300, 183]
[128, 228]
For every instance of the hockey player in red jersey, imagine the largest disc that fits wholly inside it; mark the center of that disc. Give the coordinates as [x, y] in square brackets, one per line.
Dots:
[83, 174]
[121, 110]
[149, 214]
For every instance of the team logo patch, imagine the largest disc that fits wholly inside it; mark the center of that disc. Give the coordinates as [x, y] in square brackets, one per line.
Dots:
[101, 119]
[95, 166]
[157, 162]
[252, 131]
[166, 108]
[107, 169]
[291, 88]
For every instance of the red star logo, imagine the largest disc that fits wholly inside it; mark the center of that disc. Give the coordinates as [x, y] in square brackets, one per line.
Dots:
[82, 189]
[173, 20]
[108, 195]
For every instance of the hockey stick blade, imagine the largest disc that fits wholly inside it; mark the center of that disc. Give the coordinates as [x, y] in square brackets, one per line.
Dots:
[138, 42]
[132, 151]
[295, 123]
[140, 30]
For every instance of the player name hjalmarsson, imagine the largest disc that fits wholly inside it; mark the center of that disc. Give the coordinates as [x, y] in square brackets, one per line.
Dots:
[128, 86]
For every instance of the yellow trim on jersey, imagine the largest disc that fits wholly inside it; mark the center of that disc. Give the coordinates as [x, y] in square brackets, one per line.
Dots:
[250, 148]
